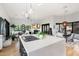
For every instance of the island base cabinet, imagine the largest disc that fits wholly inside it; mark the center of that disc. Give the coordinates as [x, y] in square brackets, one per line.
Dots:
[22, 50]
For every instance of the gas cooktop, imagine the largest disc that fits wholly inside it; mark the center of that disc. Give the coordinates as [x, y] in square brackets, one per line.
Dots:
[30, 38]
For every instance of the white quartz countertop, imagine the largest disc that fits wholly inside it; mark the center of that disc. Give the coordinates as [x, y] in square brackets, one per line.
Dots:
[38, 44]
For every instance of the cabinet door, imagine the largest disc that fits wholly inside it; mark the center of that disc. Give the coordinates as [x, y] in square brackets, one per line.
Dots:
[1, 42]
[22, 50]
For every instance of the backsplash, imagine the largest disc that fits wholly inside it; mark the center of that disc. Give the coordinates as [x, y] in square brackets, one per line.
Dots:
[22, 27]
[26, 27]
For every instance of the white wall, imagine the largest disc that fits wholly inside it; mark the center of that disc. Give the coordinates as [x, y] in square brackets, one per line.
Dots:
[52, 23]
[59, 19]
[3, 13]
[52, 20]
[19, 21]
[69, 18]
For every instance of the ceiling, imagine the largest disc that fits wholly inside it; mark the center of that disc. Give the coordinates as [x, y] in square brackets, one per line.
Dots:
[40, 11]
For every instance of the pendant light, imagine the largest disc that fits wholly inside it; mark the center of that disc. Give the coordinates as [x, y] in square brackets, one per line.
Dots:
[65, 13]
[28, 12]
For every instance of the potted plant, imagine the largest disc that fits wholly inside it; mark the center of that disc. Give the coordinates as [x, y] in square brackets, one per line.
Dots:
[12, 35]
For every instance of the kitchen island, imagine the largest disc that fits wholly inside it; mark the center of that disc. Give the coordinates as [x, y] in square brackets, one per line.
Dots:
[48, 46]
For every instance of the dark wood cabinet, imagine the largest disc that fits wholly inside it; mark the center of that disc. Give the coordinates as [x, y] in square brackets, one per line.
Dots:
[22, 50]
[4, 28]
[45, 27]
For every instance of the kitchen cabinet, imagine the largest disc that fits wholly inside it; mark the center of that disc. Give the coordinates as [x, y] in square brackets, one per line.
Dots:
[1, 41]
[22, 50]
